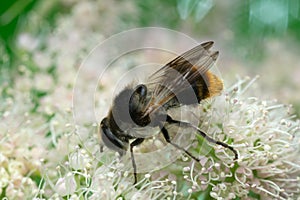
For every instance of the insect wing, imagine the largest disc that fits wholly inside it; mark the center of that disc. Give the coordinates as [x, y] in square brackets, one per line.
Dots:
[178, 75]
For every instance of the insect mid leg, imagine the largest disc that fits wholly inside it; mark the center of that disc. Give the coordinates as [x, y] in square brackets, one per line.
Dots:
[135, 143]
[204, 135]
[167, 137]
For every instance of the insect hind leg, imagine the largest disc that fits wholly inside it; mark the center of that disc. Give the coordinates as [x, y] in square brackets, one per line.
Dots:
[204, 135]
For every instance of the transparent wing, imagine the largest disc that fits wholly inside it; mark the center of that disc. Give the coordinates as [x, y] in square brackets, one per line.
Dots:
[179, 74]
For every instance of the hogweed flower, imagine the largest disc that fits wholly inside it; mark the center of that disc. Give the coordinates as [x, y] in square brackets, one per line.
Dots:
[22, 147]
[105, 182]
[267, 139]
[264, 133]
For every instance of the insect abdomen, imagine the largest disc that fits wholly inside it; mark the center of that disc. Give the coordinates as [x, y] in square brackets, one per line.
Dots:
[204, 87]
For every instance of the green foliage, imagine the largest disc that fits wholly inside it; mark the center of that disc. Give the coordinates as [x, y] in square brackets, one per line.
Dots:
[36, 95]
[253, 22]
[16, 17]
[157, 13]
[12, 13]
[254, 195]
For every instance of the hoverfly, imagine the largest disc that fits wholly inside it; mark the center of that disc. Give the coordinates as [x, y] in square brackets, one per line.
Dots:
[186, 80]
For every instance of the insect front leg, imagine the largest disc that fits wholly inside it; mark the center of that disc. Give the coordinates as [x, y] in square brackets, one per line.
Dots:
[134, 143]
[204, 135]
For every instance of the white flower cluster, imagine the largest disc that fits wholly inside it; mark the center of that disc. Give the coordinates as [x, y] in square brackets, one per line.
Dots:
[82, 176]
[45, 79]
[267, 139]
[22, 150]
[263, 132]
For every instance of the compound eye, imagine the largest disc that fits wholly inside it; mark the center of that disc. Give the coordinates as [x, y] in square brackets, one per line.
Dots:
[109, 139]
[141, 90]
[137, 99]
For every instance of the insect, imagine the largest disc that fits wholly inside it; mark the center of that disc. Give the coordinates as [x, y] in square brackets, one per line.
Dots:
[186, 80]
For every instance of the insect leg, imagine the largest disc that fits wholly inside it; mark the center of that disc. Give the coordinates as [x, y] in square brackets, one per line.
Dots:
[204, 135]
[101, 148]
[167, 137]
[134, 143]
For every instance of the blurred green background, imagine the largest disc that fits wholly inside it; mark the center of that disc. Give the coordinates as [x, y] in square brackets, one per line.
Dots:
[254, 37]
